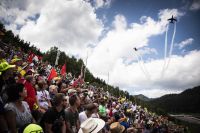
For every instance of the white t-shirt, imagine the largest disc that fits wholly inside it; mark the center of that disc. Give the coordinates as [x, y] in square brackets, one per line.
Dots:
[133, 107]
[43, 97]
[82, 117]
[114, 111]
[95, 115]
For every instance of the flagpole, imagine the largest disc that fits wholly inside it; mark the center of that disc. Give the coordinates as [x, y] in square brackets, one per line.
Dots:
[85, 66]
[108, 81]
[57, 57]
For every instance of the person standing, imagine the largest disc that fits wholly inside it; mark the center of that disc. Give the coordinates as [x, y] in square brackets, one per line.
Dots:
[71, 114]
[90, 109]
[54, 118]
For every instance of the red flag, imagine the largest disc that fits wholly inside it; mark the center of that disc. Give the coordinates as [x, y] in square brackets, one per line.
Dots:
[52, 74]
[30, 57]
[39, 57]
[63, 70]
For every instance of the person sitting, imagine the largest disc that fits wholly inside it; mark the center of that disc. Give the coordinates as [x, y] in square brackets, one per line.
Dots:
[18, 113]
[43, 96]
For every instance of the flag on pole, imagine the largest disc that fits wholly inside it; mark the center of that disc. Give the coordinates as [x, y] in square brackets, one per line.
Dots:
[35, 58]
[30, 57]
[52, 74]
[63, 70]
[57, 58]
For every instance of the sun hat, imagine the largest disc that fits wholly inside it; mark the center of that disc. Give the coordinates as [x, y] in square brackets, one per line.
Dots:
[91, 125]
[14, 60]
[33, 128]
[116, 128]
[4, 66]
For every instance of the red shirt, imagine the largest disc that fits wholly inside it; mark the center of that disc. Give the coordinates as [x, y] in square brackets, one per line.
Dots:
[31, 94]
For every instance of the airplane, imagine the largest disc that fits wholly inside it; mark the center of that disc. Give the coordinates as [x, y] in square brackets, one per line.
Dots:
[172, 19]
[135, 49]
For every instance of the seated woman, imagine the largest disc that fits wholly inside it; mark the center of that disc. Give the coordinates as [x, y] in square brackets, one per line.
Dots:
[43, 96]
[18, 114]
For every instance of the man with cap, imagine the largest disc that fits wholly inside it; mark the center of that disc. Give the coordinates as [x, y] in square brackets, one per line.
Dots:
[6, 78]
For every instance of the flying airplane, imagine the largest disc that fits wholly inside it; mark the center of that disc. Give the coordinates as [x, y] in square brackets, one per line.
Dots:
[135, 49]
[172, 19]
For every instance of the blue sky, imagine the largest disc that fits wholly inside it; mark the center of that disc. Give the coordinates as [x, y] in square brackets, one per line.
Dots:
[108, 30]
[134, 9]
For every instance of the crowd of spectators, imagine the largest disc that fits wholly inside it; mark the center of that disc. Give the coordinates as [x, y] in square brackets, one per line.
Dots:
[65, 104]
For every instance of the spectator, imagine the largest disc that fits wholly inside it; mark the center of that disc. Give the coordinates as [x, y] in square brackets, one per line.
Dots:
[102, 109]
[63, 88]
[18, 114]
[31, 98]
[95, 114]
[6, 73]
[2, 56]
[116, 128]
[6, 77]
[90, 109]
[72, 114]
[53, 119]
[43, 96]
[66, 102]
[53, 90]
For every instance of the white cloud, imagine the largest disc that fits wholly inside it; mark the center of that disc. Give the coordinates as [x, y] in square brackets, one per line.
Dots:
[17, 11]
[117, 46]
[71, 25]
[74, 25]
[102, 3]
[151, 93]
[183, 73]
[195, 5]
[185, 43]
[120, 41]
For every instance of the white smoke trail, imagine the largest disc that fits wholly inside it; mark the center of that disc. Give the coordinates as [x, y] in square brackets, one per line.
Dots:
[144, 67]
[172, 45]
[165, 54]
[166, 41]
[140, 61]
[140, 65]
